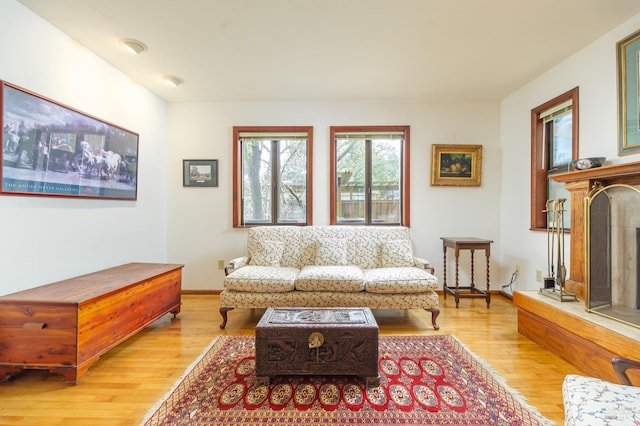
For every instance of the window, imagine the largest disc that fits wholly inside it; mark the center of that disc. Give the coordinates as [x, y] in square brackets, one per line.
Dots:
[554, 144]
[369, 175]
[272, 176]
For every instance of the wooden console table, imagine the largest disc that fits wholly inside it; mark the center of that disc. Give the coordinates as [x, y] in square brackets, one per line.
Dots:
[66, 326]
[467, 243]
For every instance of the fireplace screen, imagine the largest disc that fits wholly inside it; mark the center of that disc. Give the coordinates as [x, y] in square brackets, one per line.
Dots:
[612, 246]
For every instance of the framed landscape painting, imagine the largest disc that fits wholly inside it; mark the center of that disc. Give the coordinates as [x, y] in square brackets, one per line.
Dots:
[456, 165]
[199, 172]
[49, 149]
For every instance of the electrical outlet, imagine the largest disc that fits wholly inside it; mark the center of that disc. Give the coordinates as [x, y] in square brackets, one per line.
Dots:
[517, 269]
[221, 264]
[538, 275]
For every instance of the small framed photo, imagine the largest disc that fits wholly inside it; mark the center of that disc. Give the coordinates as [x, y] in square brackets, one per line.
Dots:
[199, 172]
[456, 165]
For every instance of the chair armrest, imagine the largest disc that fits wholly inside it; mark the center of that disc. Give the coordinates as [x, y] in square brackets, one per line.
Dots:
[424, 264]
[234, 264]
[621, 365]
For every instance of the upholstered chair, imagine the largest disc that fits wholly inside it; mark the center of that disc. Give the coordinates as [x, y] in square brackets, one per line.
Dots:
[592, 401]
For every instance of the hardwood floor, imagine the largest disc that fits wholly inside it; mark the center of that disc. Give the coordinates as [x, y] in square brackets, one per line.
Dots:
[128, 380]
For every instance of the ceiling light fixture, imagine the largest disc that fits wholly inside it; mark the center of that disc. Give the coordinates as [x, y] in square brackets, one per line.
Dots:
[172, 80]
[133, 46]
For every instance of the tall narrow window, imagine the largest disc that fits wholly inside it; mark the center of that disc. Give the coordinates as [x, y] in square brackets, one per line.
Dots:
[370, 175]
[272, 176]
[554, 144]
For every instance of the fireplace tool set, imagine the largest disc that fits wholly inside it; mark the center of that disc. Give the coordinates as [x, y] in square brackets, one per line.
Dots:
[556, 269]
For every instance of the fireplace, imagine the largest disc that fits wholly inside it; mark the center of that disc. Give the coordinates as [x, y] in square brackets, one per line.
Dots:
[612, 242]
[587, 340]
[605, 252]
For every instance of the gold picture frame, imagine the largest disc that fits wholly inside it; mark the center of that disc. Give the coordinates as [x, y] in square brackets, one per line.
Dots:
[628, 78]
[456, 165]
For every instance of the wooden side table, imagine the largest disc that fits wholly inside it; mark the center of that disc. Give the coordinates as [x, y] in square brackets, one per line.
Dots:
[466, 243]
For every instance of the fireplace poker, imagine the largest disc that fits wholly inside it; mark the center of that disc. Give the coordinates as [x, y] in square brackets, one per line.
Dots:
[562, 270]
[549, 279]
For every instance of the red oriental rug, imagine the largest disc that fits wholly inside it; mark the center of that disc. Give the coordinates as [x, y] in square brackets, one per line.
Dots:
[424, 380]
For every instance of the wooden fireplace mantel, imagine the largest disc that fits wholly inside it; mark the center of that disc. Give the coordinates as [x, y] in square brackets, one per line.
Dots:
[578, 183]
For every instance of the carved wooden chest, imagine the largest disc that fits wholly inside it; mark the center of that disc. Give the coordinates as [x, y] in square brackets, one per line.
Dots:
[317, 341]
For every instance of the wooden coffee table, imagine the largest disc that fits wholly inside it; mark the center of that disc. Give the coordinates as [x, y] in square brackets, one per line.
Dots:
[317, 341]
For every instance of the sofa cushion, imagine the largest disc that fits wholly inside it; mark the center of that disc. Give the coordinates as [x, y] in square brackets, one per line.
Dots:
[403, 280]
[343, 279]
[262, 279]
[310, 237]
[331, 251]
[365, 248]
[288, 235]
[396, 253]
[267, 253]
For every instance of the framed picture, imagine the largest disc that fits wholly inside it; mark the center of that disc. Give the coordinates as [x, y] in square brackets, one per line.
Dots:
[456, 165]
[199, 172]
[628, 62]
[49, 149]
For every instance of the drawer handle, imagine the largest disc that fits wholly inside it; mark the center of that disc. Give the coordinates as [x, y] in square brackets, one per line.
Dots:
[35, 325]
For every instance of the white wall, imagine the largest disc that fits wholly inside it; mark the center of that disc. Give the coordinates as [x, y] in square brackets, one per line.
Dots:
[200, 223]
[45, 239]
[593, 70]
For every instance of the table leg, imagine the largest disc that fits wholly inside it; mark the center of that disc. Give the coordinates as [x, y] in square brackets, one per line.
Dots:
[488, 281]
[444, 271]
[473, 281]
[457, 294]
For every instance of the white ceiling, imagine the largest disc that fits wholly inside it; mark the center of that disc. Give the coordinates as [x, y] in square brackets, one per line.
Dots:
[255, 50]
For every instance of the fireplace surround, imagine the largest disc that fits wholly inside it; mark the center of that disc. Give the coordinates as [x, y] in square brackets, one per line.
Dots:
[579, 183]
[586, 340]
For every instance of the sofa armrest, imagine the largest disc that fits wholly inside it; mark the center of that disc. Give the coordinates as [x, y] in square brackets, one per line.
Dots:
[424, 264]
[234, 264]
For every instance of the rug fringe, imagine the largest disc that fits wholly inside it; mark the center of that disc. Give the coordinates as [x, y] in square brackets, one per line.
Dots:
[498, 377]
[177, 383]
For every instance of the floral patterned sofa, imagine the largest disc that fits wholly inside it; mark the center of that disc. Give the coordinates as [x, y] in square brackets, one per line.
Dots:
[325, 266]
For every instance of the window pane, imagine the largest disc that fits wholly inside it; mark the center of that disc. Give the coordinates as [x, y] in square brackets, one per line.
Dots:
[350, 171]
[271, 180]
[256, 191]
[292, 200]
[369, 180]
[557, 190]
[554, 143]
[385, 181]
[562, 142]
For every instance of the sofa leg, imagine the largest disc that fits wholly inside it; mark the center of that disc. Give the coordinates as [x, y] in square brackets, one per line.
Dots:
[434, 314]
[223, 312]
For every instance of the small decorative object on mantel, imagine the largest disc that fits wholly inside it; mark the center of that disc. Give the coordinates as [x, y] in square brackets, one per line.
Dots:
[587, 163]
